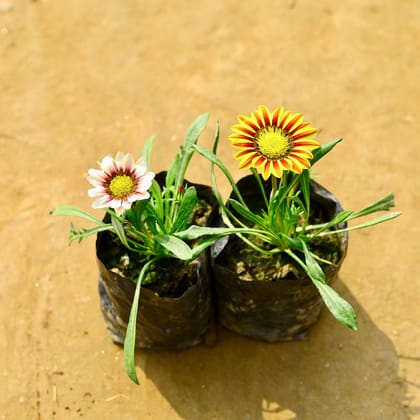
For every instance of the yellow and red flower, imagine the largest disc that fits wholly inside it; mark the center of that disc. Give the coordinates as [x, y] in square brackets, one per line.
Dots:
[273, 141]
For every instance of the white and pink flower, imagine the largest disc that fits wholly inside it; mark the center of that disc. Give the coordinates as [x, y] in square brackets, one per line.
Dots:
[120, 182]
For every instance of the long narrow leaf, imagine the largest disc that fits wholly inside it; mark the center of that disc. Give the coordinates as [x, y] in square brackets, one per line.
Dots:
[313, 269]
[135, 215]
[119, 230]
[203, 245]
[382, 204]
[304, 186]
[176, 246]
[216, 161]
[76, 212]
[157, 206]
[186, 208]
[323, 150]
[130, 336]
[172, 172]
[373, 222]
[147, 150]
[195, 129]
[84, 233]
[245, 212]
[196, 232]
[340, 308]
[191, 138]
[338, 219]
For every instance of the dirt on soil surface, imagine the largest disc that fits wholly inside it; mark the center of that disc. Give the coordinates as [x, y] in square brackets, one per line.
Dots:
[83, 79]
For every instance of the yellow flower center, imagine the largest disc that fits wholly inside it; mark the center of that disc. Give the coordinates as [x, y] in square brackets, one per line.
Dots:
[272, 144]
[122, 186]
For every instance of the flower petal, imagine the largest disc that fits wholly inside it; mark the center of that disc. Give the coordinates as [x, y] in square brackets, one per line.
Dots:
[107, 165]
[101, 202]
[97, 174]
[96, 192]
[277, 115]
[247, 162]
[145, 181]
[266, 170]
[95, 182]
[242, 154]
[265, 114]
[141, 167]
[277, 169]
[243, 130]
[294, 122]
[140, 195]
[258, 161]
[246, 121]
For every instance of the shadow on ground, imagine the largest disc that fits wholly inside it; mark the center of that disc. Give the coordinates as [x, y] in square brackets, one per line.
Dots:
[334, 373]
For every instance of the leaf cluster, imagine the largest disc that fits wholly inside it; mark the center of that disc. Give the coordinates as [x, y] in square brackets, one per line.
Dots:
[283, 222]
[159, 227]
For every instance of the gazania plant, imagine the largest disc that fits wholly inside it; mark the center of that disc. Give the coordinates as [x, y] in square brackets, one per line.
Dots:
[279, 148]
[148, 219]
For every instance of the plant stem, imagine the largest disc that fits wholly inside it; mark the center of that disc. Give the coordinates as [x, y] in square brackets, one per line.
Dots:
[261, 186]
[274, 186]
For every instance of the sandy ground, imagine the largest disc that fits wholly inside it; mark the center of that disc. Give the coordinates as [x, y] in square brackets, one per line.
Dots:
[81, 79]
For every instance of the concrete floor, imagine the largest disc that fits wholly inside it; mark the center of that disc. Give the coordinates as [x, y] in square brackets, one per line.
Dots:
[81, 79]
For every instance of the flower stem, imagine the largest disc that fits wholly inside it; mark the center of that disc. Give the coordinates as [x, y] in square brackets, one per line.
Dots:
[274, 186]
[261, 185]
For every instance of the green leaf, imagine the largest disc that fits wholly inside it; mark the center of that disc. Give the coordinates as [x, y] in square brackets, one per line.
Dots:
[135, 214]
[186, 208]
[176, 246]
[156, 205]
[75, 212]
[323, 150]
[172, 172]
[339, 218]
[245, 212]
[196, 128]
[288, 242]
[216, 137]
[373, 222]
[383, 204]
[204, 244]
[216, 161]
[119, 230]
[147, 150]
[130, 336]
[196, 232]
[191, 138]
[340, 308]
[84, 233]
[313, 269]
[304, 186]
